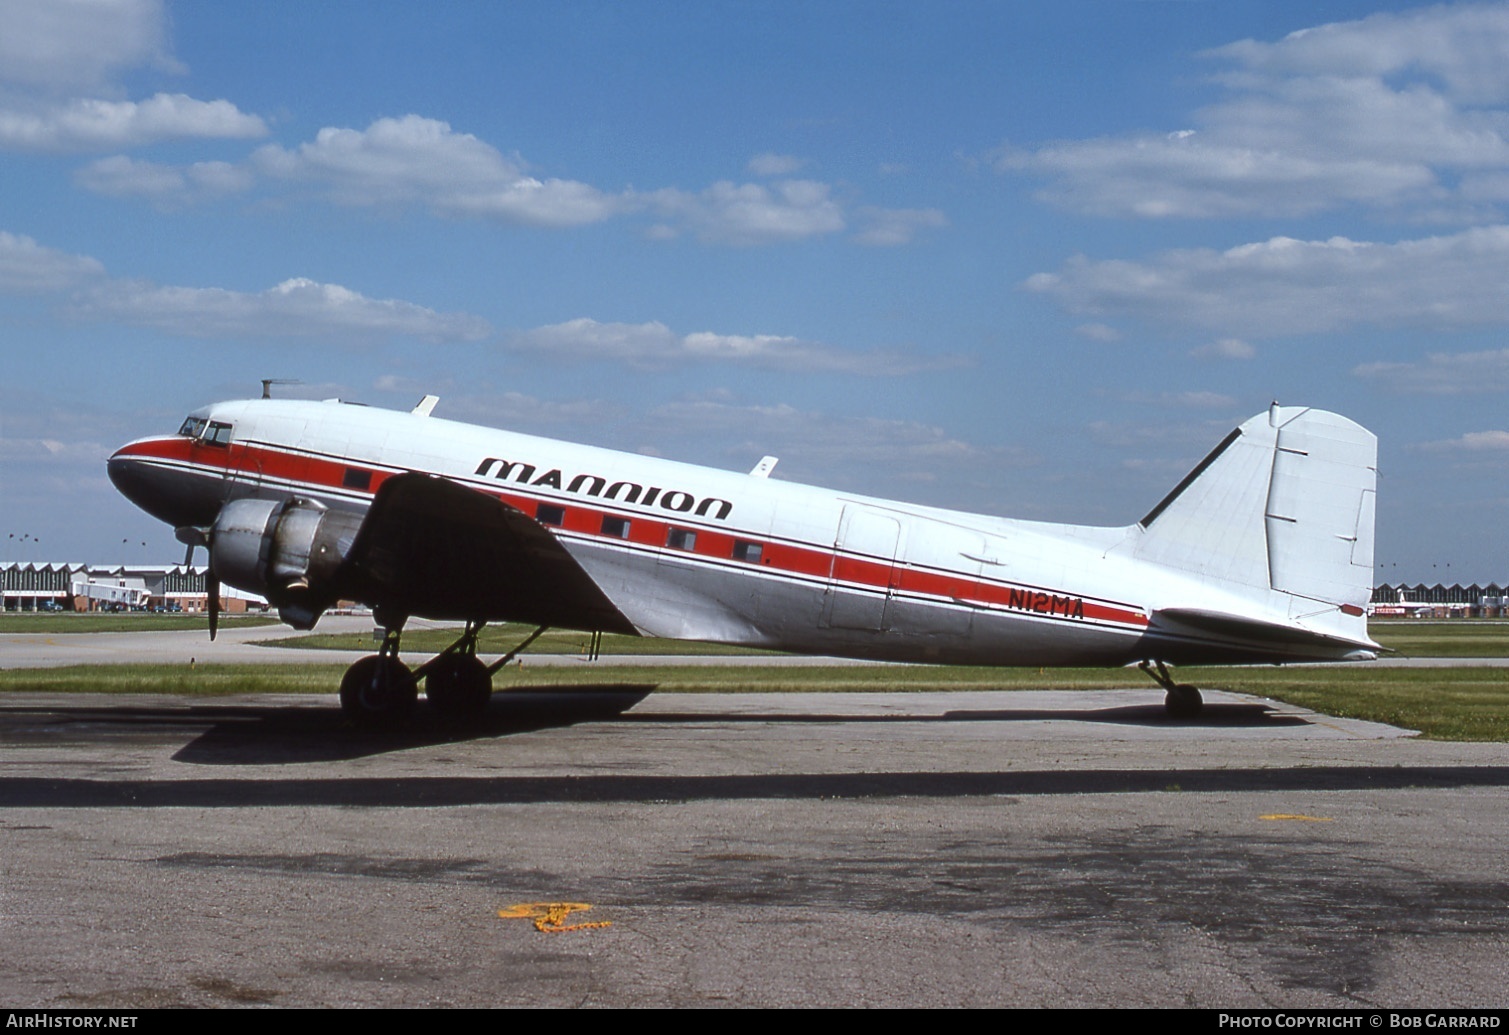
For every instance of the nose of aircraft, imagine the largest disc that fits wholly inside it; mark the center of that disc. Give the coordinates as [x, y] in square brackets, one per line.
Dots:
[167, 492]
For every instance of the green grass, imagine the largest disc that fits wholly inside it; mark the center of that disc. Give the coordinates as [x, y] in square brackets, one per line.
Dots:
[50, 623]
[1457, 638]
[1444, 704]
[183, 680]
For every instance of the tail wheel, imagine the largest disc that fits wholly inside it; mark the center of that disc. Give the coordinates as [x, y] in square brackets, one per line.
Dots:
[378, 691]
[458, 686]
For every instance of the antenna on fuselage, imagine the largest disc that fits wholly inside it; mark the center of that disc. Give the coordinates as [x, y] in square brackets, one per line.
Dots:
[268, 382]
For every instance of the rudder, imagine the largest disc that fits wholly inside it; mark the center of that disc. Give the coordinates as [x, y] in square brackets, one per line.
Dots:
[1285, 503]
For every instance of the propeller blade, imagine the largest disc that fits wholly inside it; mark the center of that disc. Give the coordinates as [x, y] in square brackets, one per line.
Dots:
[192, 536]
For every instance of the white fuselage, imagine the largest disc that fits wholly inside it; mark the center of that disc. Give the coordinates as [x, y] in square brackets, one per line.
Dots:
[696, 553]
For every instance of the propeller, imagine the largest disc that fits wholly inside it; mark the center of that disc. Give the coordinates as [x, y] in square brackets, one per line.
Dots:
[192, 536]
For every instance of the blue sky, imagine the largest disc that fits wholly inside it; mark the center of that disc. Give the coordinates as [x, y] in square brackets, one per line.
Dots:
[1028, 259]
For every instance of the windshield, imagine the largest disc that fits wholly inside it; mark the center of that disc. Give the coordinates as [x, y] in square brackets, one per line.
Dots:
[209, 432]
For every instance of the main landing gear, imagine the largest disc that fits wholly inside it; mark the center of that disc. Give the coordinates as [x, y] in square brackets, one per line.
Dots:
[1182, 700]
[379, 691]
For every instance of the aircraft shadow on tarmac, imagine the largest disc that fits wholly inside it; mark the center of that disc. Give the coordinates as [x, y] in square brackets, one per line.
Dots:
[235, 733]
[283, 734]
[1216, 716]
[280, 736]
[453, 791]
[273, 735]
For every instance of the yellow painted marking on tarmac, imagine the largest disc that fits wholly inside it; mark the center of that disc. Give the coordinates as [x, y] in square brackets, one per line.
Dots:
[550, 917]
[1297, 817]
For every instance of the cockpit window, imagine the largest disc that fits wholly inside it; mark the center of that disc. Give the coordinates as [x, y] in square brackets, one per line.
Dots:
[209, 432]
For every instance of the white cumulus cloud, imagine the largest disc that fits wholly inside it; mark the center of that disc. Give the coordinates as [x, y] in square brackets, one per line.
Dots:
[122, 176]
[90, 124]
[1405, 112]
[1486, 440]
[1224, 348]
[1285, 286]
[1461, 45]
[1443, 373]
[80, 44]
[416, 160]
[751, 213]
[583, 419]
[295, 308]
[27, 267]
[887, 227]
[769, 164]
[857, 453]
[423, 162]
[61, 60]
[1185, 400]
[655, 345]
[1098, 332]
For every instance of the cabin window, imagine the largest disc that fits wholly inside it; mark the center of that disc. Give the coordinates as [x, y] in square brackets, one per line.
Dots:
[219, 434]
[616, 527]
[748, 552]
[681, 539]
[550, 514]
[356, 478]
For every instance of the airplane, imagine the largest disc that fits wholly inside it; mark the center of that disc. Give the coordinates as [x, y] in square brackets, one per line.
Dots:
[1263, 553]
[1405, 606]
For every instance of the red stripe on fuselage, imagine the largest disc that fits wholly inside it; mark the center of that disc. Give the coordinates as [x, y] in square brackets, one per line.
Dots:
[254, 462]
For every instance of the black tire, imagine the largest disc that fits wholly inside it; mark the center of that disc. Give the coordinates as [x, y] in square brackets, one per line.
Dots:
[378, 692]
[458, 686]
[1183, 702]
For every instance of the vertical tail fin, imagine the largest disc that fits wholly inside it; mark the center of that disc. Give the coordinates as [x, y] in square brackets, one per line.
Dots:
[1284, 504]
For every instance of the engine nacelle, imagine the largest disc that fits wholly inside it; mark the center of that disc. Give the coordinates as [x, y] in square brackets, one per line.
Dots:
[286, 550]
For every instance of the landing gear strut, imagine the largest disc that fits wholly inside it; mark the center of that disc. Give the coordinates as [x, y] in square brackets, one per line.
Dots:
[1182, 700]
[379, 690]
[456, 682]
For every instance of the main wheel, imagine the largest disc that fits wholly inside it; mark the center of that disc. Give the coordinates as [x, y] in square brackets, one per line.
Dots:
[458, 686]
[1183, 702]
[378, 691]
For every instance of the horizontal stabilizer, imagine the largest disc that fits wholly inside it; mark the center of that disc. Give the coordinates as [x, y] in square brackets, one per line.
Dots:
[1240, 627]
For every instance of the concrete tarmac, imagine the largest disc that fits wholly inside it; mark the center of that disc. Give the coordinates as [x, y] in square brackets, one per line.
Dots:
[959, 849]
[977, 849]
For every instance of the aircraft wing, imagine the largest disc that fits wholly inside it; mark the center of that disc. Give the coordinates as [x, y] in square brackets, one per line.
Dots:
[431, 547]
